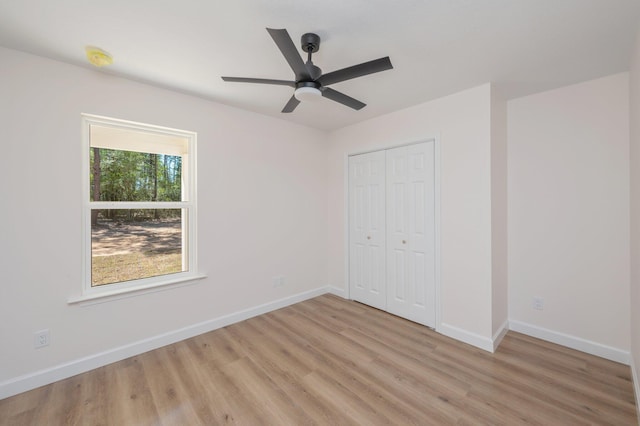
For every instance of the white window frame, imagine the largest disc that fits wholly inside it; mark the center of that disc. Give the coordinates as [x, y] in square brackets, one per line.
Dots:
[189, 220]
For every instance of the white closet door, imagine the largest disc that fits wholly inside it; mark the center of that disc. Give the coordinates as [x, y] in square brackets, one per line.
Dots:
[367, 229]
[411, 232]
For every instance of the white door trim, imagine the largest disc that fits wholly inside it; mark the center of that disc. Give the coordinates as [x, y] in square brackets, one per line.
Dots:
[437, 171]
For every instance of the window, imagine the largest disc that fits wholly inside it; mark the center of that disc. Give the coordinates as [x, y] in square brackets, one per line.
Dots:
[140, 206]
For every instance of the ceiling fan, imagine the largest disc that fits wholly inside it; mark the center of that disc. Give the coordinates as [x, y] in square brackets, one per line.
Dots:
[309, 81]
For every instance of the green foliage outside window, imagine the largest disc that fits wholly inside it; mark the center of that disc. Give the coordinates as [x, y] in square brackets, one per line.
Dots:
[135, 176]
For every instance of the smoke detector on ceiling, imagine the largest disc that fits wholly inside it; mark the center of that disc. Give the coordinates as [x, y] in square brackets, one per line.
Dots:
[98, 57]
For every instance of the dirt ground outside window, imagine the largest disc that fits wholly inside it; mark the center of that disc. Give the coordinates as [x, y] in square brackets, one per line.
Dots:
[123, 251]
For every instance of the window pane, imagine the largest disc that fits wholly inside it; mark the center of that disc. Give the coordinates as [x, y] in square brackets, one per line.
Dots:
[117, 175]
[130, 244]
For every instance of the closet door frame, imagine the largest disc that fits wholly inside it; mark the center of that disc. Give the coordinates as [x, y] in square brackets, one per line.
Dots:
[381, 147]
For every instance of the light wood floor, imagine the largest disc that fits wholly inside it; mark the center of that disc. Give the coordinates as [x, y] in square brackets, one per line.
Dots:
[336, 362]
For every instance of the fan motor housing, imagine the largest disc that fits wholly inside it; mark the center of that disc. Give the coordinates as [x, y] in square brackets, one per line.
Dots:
[313, 84]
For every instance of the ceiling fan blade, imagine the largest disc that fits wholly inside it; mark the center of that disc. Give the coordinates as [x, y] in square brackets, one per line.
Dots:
[290, 53]
[260, 80]
[334, 95]
[365, 68]
[291, 105]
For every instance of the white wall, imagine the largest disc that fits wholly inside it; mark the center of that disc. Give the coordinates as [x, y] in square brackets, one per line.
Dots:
[462, 121]
[499, 240]
[568, 198]
[262, 185]
[634, 90]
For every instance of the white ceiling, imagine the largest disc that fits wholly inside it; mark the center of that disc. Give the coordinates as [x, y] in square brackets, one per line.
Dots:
[437, 47]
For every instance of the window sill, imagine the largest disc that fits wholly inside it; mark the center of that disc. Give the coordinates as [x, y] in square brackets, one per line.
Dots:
[108, 296]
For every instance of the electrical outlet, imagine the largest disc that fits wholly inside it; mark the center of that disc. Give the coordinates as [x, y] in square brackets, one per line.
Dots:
[538, 303]
[41, 338]
[278, 281]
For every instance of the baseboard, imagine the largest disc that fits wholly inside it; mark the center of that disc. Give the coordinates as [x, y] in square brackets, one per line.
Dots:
[337, 291]
[466, 336]
[636, 385]
[573, 342]
[499, 335]
[44, 377]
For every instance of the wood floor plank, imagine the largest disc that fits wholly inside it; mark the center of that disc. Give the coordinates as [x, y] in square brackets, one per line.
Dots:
[273, 404]
[593, 392]
[345, 401]
[523, 389]
[217, 347]
[174, 392]
[236, 407]
[329, 361]
[23, 410]
[129, 401]
[357, 378]
[294, 359]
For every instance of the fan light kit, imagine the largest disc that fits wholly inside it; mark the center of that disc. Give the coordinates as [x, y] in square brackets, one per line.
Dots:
[307, 94]
[310, 84]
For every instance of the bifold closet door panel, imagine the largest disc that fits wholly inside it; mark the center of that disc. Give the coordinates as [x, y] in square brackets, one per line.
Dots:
[367, 252]
[410, 213]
